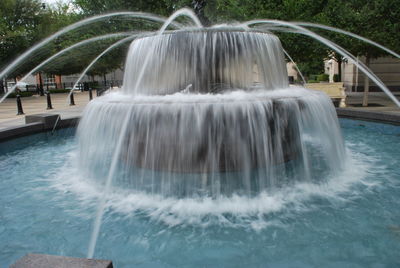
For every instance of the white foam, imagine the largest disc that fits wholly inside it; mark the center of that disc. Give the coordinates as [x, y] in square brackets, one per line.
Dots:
[237, 95]
[248, 212]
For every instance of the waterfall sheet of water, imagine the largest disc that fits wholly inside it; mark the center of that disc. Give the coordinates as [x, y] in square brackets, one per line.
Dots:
[209, 113]
[212, 144]
[210, 61]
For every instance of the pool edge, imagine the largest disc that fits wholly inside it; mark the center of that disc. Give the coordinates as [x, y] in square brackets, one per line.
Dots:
[380, 117]
[38, 127]
[10, 133]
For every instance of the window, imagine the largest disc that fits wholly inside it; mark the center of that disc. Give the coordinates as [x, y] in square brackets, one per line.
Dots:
[49, 79]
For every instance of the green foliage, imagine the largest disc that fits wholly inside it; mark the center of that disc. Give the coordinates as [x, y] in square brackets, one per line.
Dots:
[22, 94]
[336, 78]
[323, 78]
[55, 91]
[90, 7]
[378, 20]
[76, 60]
[310, 67]
[306, 52]
[19, 20]
[94, 85]
[25, 22]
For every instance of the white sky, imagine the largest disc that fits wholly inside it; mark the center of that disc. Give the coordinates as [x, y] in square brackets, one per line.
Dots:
[52, 1]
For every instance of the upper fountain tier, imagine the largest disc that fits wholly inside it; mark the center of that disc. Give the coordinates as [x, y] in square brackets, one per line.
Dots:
[204, 61]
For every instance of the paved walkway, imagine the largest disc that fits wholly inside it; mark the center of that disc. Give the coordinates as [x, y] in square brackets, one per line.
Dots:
[38, 104]
[379, 103]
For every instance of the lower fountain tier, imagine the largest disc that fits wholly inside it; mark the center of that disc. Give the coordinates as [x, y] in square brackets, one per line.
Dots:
[151, 143]
[202, 136]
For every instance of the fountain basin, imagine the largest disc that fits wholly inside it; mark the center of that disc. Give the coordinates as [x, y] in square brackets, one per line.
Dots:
[48, 205]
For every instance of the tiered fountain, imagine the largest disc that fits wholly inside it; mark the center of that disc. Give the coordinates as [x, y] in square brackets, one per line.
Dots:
[206, 129]
[208, 112]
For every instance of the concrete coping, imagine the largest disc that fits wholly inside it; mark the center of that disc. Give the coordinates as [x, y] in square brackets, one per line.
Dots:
[381, 117]
[37, 123]
[46, 122]
[51, 261]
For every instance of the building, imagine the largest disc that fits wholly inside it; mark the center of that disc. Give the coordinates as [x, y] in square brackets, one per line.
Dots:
[386, 68]
[67, 82]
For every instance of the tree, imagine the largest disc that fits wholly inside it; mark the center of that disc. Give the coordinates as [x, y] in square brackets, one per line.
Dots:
[75, 61]
[378, 20]
[18, 23]
[19, 32]
[90, 7]
[25, 22]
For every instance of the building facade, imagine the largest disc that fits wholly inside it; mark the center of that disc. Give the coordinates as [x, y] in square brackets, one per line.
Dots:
[386, 68]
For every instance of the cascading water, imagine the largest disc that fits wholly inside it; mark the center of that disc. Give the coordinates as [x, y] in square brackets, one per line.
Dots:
[209, 113]
[205, 62]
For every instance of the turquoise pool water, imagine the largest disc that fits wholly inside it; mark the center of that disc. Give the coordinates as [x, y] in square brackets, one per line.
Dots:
[350, 220]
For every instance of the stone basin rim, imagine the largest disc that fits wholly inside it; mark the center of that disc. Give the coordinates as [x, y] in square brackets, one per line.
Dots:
[232, 101]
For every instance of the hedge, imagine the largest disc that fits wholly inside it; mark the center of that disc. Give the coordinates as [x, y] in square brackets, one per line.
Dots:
[22, 94]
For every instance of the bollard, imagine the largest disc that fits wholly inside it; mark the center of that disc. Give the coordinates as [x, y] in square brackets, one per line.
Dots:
[71, 99]
[2, 88]
[49, 106]
[90, 94]
[19, 106]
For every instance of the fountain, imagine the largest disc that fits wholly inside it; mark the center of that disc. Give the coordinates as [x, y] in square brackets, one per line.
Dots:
[208, 112]
[206, 125]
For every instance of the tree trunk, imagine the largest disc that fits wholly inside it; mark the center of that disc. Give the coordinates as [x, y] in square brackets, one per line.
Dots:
[339, 62]
[41, 89]
[16, 90]
[366, 83]
[198, 7]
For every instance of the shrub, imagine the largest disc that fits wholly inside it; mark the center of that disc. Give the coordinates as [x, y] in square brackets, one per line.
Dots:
[323, 78]
[59, 91]
[22, 94]
[312, 81]
[336, 78]
[313, 77]
[94, 85]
